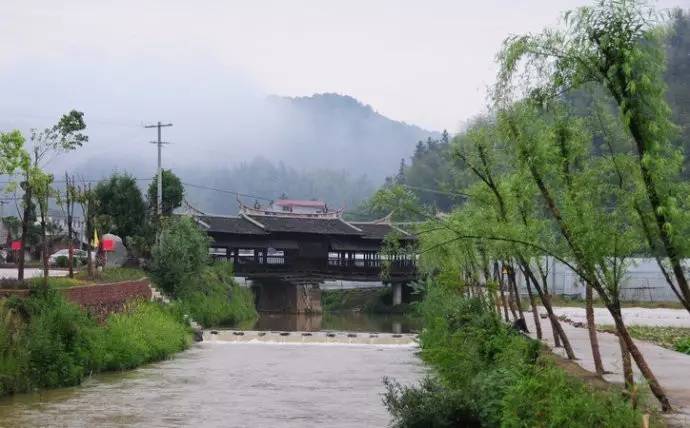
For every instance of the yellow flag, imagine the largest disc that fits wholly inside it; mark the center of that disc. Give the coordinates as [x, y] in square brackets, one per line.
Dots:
[95, 242]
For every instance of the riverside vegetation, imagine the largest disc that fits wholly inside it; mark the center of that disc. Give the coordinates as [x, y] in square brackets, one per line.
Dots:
[489, 375]
[48, 342]
[579, 160]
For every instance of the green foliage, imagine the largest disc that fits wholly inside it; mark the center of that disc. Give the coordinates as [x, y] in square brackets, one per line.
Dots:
[489, 375]
[119, 202]
[668, 337]
[214, 299]
[428, 406]
[683, 345]
[145, 332]
[173, 192]
[62, 261]
[12, 153]
[56, 282]
[181, 252]
[60, 340]
[46, 341]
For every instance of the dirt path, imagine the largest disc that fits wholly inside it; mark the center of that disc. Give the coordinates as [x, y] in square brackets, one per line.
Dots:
[671, 368]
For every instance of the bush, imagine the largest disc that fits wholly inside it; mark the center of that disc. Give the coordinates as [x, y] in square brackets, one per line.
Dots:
[428, 406]
[683, 345]
[182, 251]
[62, 261]
[214, 299]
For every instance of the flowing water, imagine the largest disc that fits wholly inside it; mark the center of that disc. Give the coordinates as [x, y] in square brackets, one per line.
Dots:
[222, 384]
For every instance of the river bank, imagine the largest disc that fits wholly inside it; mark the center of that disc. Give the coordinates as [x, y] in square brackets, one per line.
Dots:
[48, 342]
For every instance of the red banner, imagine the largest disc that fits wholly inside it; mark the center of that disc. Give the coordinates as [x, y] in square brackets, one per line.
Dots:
[16, 245]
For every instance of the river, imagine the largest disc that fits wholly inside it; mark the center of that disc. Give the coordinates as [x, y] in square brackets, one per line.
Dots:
[223, 384]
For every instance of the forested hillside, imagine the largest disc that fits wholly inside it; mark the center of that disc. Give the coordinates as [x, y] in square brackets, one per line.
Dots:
[265, 179]
[431, 174]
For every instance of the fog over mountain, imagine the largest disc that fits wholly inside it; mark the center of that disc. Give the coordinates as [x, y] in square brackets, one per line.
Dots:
[226, 131]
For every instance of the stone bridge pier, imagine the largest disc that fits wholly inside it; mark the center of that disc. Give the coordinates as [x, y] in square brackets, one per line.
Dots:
[284, 296]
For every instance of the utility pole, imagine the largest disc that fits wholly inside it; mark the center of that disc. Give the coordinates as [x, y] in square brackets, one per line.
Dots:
[159, 193]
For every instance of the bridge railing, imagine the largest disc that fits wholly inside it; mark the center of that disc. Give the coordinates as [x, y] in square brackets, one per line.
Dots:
[336, 266]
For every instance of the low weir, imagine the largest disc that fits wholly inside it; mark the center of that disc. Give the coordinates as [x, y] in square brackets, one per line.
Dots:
[308, 337]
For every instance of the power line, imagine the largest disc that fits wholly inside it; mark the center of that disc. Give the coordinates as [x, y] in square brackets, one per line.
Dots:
[197, 186]
[232, 192]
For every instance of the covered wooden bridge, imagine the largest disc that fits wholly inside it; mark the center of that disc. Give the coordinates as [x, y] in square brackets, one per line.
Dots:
[303, 250]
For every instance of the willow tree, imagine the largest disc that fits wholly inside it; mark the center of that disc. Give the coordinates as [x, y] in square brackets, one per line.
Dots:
[483, 152]
[586, 209]
[619, 46]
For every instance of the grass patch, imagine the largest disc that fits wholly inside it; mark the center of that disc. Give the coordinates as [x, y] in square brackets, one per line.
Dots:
[115, 274]
[82, 278]
[675, 338]
[56, 282]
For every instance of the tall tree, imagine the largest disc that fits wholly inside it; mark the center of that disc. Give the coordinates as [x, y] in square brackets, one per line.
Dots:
[85, 196]
[618, 45]
[173, 193]
[120, 199]
[62, 137]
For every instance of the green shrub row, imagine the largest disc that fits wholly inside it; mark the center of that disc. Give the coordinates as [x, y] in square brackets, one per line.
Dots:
[488, 375]
[45, 341]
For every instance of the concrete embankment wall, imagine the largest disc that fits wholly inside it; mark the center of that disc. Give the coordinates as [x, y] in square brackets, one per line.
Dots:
[100, 300]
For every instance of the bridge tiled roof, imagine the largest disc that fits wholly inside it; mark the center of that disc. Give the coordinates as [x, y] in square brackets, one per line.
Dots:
[306, 225]
[236, 225]
[264, 225]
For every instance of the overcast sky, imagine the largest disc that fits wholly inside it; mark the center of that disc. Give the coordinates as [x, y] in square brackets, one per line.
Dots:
[424, 62]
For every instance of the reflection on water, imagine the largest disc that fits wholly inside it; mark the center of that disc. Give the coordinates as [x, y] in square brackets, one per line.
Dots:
[340, 321]
[231, 385]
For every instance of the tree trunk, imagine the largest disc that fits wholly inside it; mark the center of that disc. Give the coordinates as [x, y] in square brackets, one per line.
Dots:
[504, 303]
[89, 254]
[628, 377]
[70, 256]
[545, 284]
[513, 284]
[44, 250]
[26, 218]
[556, 336]
[635, 353]
[592, 328]
[555, 323]
[533, 304]
[511, 297]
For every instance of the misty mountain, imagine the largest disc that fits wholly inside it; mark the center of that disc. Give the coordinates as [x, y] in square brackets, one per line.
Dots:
[339, 132]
